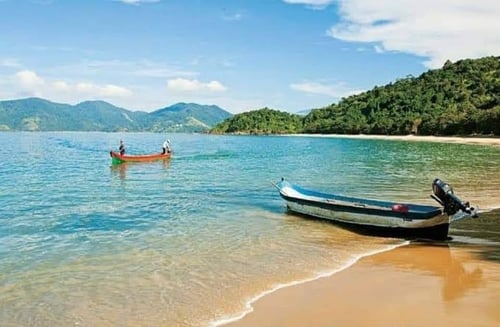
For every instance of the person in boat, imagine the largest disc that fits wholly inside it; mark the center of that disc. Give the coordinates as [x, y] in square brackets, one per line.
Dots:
[166, 147]
[122, 148]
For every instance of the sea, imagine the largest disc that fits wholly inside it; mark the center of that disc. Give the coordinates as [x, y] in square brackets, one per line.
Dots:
[196, 239]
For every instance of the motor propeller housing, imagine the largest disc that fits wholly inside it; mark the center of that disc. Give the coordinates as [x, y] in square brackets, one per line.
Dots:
[444, 195]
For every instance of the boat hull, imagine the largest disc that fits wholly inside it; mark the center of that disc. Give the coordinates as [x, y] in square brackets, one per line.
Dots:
[435, 228]
[118, 158]
[368, 216]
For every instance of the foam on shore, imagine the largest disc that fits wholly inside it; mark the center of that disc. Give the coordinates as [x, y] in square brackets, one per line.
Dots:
[249, 307]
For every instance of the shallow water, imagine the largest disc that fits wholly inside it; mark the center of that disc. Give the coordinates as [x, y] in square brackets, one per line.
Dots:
[190, 241]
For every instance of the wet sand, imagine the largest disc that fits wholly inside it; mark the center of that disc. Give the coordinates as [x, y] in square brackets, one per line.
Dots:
[454, 283]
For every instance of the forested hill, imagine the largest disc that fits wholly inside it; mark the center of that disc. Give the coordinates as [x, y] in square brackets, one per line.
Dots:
[461, 98]
[35, 114]
[262, 121]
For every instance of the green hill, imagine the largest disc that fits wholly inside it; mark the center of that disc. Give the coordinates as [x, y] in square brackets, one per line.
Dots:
[35, 114]
[262, 121]
[462, 98]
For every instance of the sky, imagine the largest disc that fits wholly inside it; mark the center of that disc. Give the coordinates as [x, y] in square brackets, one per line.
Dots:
[242, 55]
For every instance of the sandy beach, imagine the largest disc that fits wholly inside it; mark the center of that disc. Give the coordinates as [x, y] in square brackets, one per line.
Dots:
[495, 141]
[454, 283]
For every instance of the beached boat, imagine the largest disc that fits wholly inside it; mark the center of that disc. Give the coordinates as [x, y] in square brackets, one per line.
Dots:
[117, 158]
[380, 217]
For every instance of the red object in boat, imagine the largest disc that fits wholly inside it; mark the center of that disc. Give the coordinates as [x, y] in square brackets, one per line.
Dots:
[116, 156]
[400, 207]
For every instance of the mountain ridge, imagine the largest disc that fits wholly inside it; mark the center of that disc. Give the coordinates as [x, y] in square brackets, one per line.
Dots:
[38, 114]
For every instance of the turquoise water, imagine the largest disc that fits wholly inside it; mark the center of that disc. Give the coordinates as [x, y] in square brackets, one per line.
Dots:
[193, 240]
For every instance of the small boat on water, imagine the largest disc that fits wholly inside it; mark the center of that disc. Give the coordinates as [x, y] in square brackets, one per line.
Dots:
[117, 158]
[378, 217]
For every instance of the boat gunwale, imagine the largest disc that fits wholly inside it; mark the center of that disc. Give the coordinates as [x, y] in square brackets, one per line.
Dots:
[137, 158]
[342, 203]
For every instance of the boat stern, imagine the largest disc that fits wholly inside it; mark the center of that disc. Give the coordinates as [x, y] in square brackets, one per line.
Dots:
[453, 206]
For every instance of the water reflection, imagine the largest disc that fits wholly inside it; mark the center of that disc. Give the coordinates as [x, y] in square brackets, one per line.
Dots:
[121, 169]
[166, 163]
[438, 260]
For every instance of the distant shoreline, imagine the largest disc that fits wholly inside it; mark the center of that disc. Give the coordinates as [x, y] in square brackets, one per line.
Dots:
[441, 139]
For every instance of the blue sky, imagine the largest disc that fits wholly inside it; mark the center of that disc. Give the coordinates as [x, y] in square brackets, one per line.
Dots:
[241, 55]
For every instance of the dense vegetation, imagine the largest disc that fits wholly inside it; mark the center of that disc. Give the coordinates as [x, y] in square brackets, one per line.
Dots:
[262, 121]
[462, 98]
[35, 114]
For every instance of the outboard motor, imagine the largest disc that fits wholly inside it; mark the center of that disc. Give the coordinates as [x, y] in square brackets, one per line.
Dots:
[443, 194]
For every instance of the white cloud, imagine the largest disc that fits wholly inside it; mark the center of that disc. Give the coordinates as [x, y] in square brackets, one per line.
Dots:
[106, 91]
[28, 79]
[338, 90]
[61, 86]
[193, 85]
[111, 90]
[215, 86]
[85, 88]
[438, 30]
[9, 62]
[34, 85]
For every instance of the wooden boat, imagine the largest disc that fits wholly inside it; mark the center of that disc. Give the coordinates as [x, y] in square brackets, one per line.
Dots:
[117, 158]
[378, 217]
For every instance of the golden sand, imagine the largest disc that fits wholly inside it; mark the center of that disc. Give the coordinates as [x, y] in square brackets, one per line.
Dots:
[416, 285]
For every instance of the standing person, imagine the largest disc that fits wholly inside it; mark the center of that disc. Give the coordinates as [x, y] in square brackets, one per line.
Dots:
[122, 148]
[166, 147]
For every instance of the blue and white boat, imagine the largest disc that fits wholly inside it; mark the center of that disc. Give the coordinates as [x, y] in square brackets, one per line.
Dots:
[378, 217]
